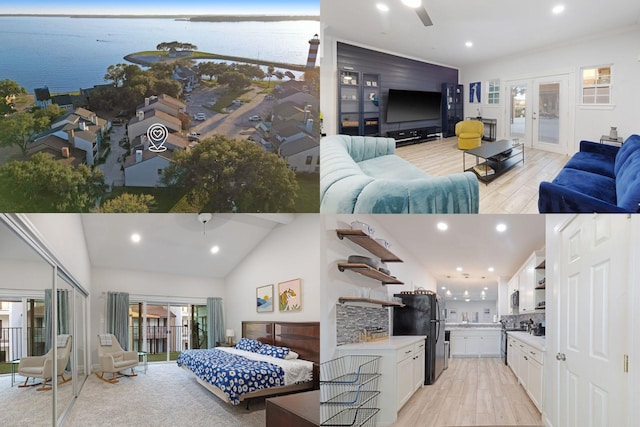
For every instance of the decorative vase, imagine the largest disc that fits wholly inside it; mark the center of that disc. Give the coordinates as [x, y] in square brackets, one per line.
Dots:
[613, 133]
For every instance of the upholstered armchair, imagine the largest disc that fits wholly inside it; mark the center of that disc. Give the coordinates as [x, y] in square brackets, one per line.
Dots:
[42, 366]
[469, 133]
[114, 360]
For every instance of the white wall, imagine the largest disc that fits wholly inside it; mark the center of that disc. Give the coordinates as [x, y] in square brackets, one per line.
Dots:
[336, 284]
[30, 276]
[145, 174]
[290, 251]
[621, 49]
[470, 308]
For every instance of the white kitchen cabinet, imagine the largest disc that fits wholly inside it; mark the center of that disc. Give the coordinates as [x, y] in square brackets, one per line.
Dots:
[401, 371]
[475, 343]
[526, 360]
[526, 279]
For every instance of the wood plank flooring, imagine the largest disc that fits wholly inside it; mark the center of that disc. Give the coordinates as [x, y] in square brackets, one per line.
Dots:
[472, 392]
[515, 192]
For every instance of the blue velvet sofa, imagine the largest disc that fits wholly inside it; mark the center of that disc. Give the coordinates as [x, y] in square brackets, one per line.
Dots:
[599, 178]
[363, 175]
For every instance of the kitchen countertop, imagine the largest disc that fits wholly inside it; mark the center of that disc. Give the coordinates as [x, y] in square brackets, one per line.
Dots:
[391, 343]
[474, 326]
[538, 343]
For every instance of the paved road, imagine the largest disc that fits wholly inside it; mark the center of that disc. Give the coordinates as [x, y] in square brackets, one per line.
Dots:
[113, 175]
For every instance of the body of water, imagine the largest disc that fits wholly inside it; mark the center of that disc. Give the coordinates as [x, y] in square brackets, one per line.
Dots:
[67, 54]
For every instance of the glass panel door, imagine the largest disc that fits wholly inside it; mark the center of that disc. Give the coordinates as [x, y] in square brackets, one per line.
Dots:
[550, 107]
[518, 110]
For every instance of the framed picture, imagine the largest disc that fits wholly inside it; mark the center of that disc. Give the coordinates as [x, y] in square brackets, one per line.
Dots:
[475, 92]
[264, 299]
[289, 295]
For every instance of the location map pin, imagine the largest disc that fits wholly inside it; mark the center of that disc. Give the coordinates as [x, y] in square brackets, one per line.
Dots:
[157, 135]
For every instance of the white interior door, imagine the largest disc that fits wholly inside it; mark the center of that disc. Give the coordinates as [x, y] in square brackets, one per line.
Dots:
[592, 321]
[519, 111]
[550, 113]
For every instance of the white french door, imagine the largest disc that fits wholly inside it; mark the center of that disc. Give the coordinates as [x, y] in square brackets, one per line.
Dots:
[593, 321]
[538, 112]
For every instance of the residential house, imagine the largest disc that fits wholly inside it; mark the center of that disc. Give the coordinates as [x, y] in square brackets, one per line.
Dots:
[163, 103]
[43, 97]
[144, 168]
[302, 155]
[80, 129]
[64, 101]
[139, 124]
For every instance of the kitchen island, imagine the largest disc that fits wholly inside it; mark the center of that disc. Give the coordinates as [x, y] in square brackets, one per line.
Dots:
[401, 367]
[474, 339]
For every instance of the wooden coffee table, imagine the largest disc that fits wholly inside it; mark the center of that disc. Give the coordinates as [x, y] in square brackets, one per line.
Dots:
[493, 159]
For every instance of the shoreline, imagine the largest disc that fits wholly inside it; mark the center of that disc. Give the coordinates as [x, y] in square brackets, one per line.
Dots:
[190, 18]
[149, 58]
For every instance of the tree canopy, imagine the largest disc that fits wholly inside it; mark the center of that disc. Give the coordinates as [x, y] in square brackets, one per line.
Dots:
[234, 79]
[19, 128]
[42, 184]
[9, 87]
[176, 45]
[128, 203]
[222, 175]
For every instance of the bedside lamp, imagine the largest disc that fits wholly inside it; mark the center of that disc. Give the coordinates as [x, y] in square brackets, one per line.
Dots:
[230, 334]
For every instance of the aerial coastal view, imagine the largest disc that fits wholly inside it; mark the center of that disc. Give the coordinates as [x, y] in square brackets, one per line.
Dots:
[159, 107]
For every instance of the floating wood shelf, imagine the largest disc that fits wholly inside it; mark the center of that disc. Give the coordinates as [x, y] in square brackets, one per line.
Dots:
[372, 273]
[541, 287]
[542, 265]
[344, 300]
[362, 239]
[540, 308]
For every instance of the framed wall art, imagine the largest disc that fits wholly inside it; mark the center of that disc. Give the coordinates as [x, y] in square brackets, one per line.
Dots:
[264, 299]
[290, 295]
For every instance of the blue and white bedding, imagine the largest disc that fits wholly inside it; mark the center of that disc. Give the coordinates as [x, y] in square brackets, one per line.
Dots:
[237, 372]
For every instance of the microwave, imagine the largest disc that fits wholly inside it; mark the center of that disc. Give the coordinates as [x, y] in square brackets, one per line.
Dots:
[515, 299]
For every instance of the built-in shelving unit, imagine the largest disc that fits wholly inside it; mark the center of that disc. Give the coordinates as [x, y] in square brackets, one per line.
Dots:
[346, 300]
[369, 272]
[541, 284]
[365, 241]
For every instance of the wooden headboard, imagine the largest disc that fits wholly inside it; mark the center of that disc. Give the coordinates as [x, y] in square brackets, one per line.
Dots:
[301, 337]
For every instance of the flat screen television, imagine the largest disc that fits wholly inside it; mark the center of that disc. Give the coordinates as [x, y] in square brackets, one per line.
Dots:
[412, 105]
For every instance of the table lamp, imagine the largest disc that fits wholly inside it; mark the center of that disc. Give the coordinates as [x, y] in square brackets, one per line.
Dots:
[230, 335]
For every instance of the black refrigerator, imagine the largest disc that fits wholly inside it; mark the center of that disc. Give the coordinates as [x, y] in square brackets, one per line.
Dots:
[423, 314]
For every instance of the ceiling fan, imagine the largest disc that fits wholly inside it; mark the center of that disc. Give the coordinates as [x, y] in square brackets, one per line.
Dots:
[420, 10]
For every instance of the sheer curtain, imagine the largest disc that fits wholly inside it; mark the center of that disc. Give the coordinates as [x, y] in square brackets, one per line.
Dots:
[118, 317]
[63, 315]
[215, 322]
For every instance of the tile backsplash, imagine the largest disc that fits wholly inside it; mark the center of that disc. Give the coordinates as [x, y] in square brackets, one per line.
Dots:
[351, 320]
[513, 321]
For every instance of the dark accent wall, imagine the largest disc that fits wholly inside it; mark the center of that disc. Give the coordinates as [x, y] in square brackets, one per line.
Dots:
[396, 72]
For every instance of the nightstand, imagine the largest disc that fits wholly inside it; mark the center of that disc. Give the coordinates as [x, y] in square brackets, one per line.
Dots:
[225, 344]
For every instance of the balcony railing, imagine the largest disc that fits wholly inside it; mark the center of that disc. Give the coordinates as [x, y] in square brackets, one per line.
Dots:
[11, 343]
[161, 338]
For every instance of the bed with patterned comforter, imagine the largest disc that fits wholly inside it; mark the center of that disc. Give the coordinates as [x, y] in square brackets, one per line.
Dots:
[236, 372]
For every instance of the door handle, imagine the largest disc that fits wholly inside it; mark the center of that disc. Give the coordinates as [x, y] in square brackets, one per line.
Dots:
[561, 356]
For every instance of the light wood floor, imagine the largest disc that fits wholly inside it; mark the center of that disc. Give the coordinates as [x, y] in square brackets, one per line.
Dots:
[514, 192]
[472, 392]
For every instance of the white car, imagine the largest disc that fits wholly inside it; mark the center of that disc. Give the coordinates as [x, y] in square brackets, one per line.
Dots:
[236, 102]
[200, 117]
[255, 118]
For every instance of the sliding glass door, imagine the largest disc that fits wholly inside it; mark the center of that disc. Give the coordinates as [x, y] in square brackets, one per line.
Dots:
[164, 330]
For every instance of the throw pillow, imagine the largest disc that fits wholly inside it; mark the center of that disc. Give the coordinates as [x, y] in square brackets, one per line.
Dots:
[247, 344]
[274, 351]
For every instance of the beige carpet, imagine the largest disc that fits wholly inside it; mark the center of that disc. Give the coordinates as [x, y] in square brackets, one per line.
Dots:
[166, 395]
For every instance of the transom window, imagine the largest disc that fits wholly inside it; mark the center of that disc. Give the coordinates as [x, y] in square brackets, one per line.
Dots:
[596, 85]
[493, 94]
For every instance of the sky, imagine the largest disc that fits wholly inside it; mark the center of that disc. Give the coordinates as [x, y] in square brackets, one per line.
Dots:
[163, 7]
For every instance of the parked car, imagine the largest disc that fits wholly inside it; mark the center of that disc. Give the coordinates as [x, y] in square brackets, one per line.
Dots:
[255, 118]
[193, 136]
[268, 97]
[236, 102]
[200, 117]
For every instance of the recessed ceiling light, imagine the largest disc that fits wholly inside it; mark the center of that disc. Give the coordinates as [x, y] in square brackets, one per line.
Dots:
[449, 292]
[486, 289]
[558, 9]
[501, 227]
[483, 293]
[455, 297]
[412, 3]
[490, 269]
[135, 238]
[466, 292]
[215, 249]
[382, 7]
[468, 44]
[467, 299]
[442, 226]
[443, 288]
[458, 268]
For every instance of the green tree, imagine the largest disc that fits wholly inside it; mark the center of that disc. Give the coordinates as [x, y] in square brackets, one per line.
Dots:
[131, 71]
[161, 70]
[116, 74]
[42, 184]
[20, 128]
[168, 86]
[221, 175]
[251, 71]
[51, 112]
[9, 87]
[234, 80]
[212, 69]
[129, 203]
